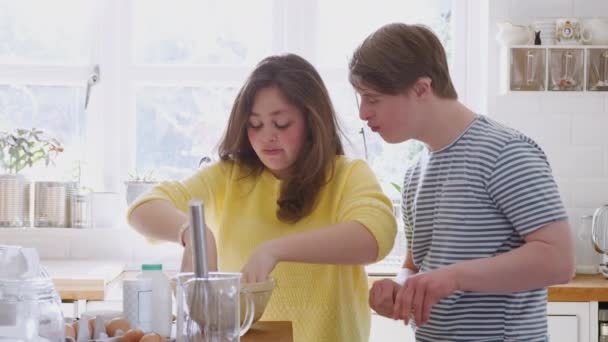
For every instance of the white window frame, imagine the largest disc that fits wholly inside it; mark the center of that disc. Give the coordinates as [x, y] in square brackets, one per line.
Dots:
[120, 77]
[112, 112]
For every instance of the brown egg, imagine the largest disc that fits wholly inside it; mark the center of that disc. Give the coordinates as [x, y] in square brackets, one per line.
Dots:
[115, 324]
[70, 331]
[153, 337]
[133, 335]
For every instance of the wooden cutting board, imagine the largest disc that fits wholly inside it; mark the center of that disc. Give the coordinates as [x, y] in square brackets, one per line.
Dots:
[274, 331]
[76, 280]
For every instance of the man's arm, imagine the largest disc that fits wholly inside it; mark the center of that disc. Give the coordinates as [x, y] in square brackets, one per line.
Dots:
[547, 258]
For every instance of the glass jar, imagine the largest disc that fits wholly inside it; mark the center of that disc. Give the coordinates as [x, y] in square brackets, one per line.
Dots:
[587, 259]
[30, 310]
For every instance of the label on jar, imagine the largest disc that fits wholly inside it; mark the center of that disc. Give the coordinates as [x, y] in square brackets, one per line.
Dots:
[137, 303]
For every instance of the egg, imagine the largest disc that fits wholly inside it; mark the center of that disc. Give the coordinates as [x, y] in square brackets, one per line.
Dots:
[117, 324]
[70, 331]
[133, 335]
[153, 337]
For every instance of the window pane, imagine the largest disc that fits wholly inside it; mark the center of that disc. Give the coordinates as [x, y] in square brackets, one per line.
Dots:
[224, 32]
[176, 127]
[57, 110]
[49, 32]
[336, 44]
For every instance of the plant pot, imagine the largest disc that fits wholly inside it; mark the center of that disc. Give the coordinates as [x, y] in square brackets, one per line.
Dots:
[12, 200]
[136, 189]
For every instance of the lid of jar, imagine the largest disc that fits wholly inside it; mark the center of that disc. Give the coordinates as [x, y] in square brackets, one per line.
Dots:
[17, 262]
[152, 267]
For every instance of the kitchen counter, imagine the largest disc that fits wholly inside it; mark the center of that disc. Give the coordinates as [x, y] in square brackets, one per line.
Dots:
[97, 282]
[269, 331]
[82, 280]
[583, 288]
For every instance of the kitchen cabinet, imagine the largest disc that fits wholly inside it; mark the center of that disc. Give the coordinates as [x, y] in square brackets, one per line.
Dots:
[580, 68]
[572, 321]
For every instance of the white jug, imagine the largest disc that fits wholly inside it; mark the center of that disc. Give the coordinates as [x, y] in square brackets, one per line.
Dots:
[595, 31]
[509, 34]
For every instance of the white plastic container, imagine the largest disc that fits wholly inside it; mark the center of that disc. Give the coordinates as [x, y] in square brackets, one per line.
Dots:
[161, 298]
[137, 303]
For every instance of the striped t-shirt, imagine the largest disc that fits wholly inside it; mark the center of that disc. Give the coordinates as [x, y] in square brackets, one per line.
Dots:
[476, 198]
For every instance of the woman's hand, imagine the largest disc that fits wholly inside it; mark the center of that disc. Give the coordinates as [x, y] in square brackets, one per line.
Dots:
[260, 264]
[420, 292]
[187, 255]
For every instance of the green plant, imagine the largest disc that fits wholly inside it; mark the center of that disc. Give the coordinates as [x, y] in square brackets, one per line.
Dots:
[146, 177]
[396, 186]
[23, 148]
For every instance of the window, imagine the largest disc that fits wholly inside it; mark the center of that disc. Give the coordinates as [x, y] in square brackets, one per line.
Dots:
[43, 68]
[177, 124]
[169, 72]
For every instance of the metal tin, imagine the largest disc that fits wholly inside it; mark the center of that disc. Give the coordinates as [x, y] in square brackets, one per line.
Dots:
[12, 193]
[52, 203]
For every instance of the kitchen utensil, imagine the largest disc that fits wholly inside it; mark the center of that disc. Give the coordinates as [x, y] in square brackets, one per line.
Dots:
[199, 244]
[599, 235]
[216, 316]
[212, 312]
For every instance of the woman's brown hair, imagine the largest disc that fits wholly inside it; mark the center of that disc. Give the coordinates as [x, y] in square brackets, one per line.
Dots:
[394, 57]
[301, 85]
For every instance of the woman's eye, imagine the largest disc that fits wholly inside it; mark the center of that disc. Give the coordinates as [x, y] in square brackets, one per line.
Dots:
[254, 126]
[281, 125]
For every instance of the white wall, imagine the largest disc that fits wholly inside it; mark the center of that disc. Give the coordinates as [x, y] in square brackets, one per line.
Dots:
[572, 128]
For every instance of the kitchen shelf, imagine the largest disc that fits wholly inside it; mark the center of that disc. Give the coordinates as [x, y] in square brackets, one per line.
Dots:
[554, 68]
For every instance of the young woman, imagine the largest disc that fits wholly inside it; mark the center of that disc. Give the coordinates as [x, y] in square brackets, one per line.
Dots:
[284, 202]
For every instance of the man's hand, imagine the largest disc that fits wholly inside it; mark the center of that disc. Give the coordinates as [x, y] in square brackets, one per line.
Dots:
[420, 292]
[382, 297]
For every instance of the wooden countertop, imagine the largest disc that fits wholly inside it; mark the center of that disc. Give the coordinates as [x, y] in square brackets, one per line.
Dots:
[88, 280]
[582, 288]
[269, 331]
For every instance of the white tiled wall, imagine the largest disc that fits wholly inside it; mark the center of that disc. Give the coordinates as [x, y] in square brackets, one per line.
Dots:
[572, 128]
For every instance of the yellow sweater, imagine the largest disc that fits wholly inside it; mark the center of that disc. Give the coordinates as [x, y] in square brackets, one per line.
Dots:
[325, 303]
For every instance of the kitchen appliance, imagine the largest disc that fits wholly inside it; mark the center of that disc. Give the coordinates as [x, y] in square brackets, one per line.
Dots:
[30, 307]
[209, 302]
[599, 235]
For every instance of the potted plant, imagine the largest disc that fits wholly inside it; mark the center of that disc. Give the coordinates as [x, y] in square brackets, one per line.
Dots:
[21, 149]
[138, 184]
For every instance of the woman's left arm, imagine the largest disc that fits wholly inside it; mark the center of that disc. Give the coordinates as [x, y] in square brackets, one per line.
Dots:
[365, 231]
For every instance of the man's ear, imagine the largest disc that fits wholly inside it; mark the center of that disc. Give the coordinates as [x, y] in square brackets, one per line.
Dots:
[423, 86]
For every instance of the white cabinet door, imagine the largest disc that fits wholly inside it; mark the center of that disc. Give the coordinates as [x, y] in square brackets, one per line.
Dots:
[572, 321]
[387, 330]
[563, 328]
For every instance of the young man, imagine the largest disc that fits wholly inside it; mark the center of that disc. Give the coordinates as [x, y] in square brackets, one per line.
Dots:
[486, 229]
